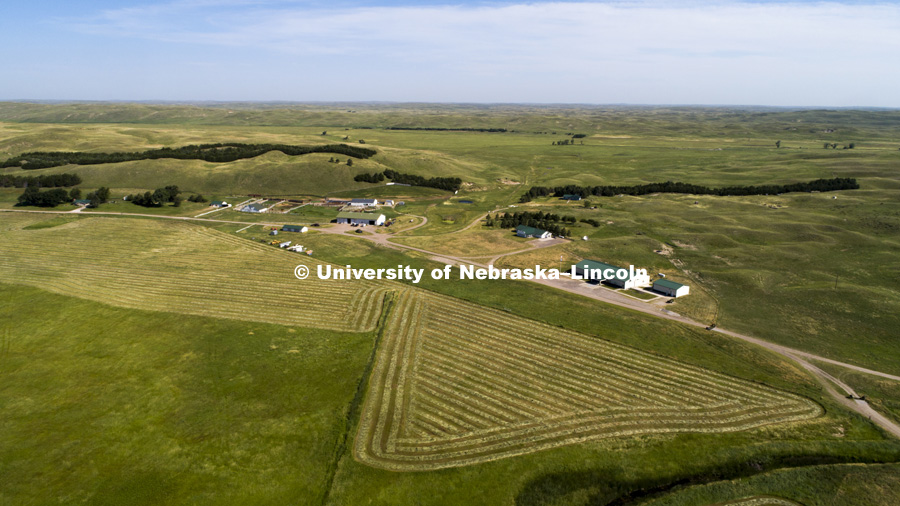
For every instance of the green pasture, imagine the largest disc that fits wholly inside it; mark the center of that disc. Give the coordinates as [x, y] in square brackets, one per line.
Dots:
[103, 405]
[107, 405]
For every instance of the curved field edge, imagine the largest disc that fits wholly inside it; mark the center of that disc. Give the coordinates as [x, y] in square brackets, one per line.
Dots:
[838, 484]
[410, 426]
[762, 501]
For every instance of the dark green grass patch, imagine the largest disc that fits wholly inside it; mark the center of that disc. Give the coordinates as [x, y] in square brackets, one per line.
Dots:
[113, 406]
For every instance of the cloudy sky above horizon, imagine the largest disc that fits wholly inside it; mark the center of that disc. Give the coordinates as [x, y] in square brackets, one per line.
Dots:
[635, 52]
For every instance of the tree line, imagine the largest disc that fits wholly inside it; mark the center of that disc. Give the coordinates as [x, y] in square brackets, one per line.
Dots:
[219, 153]
[439, 129]
[442, 183]
[33, 196]
[157, 197]
[544, 221]
[50, 198]
[821, 185]
[42, 181]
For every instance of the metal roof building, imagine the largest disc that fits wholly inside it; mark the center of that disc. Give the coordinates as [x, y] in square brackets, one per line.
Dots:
[361, 218]
[671, 288]
[525, 231]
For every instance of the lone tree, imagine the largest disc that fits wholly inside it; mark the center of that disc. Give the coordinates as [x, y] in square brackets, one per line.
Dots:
[777, 144]
[349, 162]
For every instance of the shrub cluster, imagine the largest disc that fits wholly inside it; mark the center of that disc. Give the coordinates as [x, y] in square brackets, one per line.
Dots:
[157, 198]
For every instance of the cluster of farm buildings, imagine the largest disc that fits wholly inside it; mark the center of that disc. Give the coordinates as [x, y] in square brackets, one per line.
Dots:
[602, 272]
[591, 270]
[352, 215]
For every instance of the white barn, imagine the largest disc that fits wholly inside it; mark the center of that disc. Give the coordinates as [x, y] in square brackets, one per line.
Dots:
[671, 288]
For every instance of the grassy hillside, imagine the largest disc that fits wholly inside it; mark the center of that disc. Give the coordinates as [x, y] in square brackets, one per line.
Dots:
[118, 406]
[205, 401]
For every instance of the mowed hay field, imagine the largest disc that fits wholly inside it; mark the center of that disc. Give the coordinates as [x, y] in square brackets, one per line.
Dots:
[456, 383]
[459, 384]
[184, 268]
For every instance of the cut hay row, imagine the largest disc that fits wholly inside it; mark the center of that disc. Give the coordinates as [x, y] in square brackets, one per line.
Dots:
[761, 501]
[184, 268]
[457, 384]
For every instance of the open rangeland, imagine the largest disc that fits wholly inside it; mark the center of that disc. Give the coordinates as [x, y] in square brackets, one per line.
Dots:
[177, 363]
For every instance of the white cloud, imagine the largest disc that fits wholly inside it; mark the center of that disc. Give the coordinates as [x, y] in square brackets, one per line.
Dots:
[604, 52]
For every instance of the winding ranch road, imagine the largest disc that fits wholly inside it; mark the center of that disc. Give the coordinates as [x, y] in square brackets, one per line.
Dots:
[804, 359]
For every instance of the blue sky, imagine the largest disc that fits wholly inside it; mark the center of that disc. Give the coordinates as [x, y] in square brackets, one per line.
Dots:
[636, 52]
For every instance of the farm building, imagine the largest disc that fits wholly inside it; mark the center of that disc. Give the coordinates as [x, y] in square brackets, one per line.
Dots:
[524, 231]
[389, 203]
[616, 276]
[571, 197]
[637, 280]
[671, 288]
[219, 203]
[295, 228]
[361, 218]
[81, 202]
[363, 202]
[260, 207]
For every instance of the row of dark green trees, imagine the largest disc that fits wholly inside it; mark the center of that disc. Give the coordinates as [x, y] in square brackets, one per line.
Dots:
[544, 221]
[820, 185]
[219, 153]
[442, 183]
[439, 129]
[43, 181]
[33, 196]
